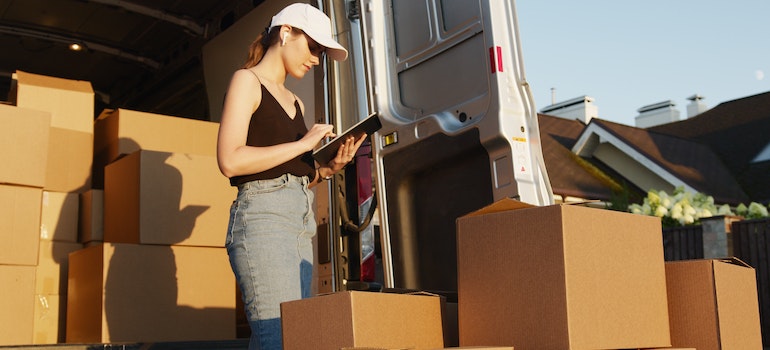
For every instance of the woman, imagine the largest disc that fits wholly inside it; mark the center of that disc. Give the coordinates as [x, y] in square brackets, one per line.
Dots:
[265, 149]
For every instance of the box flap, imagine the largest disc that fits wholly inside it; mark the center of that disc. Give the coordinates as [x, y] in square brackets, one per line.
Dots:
[105, 113]
[504, 204]
[52, 82]
[735, 261]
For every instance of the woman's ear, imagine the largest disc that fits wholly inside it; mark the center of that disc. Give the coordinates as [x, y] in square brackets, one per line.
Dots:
[285, 29]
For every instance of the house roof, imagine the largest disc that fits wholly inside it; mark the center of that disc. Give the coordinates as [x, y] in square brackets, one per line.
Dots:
[686, 162]
[737, 131]
[569, 176]
[713, 153]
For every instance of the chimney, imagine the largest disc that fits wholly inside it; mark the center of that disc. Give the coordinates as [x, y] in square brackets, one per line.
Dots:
[657, 114]
[697, 106]
[580, 108]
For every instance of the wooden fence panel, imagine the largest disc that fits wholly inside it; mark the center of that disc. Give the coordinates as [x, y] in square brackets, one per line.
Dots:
[683, 243]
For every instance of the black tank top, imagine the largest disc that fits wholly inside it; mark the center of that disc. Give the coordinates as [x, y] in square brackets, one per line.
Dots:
[271, 125]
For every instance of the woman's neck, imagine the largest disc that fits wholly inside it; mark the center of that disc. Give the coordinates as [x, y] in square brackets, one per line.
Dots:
[271, 68]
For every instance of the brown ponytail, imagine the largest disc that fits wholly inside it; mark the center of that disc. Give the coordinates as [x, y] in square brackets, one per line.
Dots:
[259, 46]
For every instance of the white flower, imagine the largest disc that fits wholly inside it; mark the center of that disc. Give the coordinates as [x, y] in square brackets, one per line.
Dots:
[757, 210]
[724, 209]
[704, 213]
[666, 201]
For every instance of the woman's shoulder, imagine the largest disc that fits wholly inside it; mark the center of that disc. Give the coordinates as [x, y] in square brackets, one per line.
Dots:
[246, 74]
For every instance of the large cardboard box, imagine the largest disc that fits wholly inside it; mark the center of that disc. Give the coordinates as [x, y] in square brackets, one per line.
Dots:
[362, 319]
[24, 137]
[19, 224]
[149, 293]
[91, 216]
[16, 304]
[70, 102]
[166, 198]
[560, 277]
[713, 304]
[70, 157]
[59, 216]
[122, 131]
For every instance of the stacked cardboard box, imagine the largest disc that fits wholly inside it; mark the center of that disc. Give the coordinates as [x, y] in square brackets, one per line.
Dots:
[164, 276]
[573, 277]
[552, 277]
[155, 267]
[47, 140]
[58, 238]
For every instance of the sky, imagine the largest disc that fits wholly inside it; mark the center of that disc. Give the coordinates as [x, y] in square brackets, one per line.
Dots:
[627, 54]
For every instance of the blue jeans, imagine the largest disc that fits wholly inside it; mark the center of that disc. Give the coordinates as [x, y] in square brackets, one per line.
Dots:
[269, 242]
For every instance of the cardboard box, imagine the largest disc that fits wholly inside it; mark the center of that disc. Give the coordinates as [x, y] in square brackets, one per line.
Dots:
[24, 135]
[362, 319]
[17, 305]
[70, 157]
[149, 293]
[52, 266]
[713, 304]
[19, 224]
[70, 102]
[91, 216]
[166, 198]
[59, 216]
[49, 321]
[122, 131]
[560, 277]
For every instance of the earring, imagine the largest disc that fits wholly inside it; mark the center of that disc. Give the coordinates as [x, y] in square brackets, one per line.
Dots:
[283, 41]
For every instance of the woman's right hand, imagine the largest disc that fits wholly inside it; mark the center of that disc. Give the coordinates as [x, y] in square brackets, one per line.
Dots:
[317, 133]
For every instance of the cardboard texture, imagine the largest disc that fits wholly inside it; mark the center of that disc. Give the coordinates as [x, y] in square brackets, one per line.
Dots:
[24, 135]
[91, 216]
[713, 304]
[59, 216]
[51, 269]
[19, 224]
[122, 131]
[148, 293]
[166, 198]
[70, 157]
[49, 321]
[561, 277]
[70, 102]
[362, 319]
[17, 305]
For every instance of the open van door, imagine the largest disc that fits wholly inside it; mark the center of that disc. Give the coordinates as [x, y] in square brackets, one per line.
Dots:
[460, 128]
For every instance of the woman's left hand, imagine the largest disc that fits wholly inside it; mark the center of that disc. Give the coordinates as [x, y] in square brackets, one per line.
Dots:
[344, 155]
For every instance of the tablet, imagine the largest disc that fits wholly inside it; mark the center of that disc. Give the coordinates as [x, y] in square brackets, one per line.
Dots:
[328, 151]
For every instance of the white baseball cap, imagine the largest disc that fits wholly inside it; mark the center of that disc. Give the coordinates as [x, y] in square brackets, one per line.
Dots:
[315, 24]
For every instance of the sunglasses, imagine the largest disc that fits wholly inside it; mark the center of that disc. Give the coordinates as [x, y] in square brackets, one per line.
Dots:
[315, 48]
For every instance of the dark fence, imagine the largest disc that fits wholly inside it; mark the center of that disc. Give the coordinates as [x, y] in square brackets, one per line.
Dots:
[751, 243]
[683, 243]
